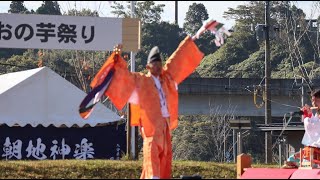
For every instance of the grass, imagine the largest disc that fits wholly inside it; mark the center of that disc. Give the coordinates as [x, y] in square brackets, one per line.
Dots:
[109, 169]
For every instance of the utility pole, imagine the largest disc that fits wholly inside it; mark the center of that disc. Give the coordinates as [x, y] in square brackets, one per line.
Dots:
[131, 131]
[234, 144]
[239, 136]
[268, 120]
[176, 11]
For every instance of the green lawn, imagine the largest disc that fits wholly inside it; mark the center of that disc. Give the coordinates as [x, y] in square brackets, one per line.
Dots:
[108, 169]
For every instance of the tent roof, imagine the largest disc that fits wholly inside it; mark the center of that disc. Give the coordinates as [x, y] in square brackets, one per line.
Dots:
[42, 97]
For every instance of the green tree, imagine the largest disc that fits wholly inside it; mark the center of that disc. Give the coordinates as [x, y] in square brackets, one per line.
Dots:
[245, 15]
[301, 44]
[195, 16]
[146, 11]
[294, 45]
[252, 67]
[49, 7]
[17, 7]
[83, 12]
[249, 15]
[20, 62]
[238, 48]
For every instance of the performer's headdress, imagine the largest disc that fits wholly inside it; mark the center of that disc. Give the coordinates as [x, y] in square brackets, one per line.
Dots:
[154, 55]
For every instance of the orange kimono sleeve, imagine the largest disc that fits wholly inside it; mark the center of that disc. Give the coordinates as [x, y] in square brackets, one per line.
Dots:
[122, 84]
[135, 115]
[184, 60]
[104, 70]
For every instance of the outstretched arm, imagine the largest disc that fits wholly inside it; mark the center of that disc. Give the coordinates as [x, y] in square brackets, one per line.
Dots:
[187, 56]
[183, 60]
[113, 80]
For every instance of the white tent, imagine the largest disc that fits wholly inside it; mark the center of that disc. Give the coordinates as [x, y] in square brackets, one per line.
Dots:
[41, 96]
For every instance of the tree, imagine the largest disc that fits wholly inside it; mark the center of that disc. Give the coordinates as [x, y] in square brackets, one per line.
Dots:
[83, 12]
[245, 15]
[296, 44]
[195, 16]
[238, 48]
[49, 7]
[20, 62]
[248, 16]
[17, 7]
[252, 67]
[293, 34]
[203, 138]
[147, 11]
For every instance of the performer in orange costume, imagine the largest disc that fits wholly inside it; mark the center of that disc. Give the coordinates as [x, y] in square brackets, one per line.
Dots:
[154, 102]
[153, 98]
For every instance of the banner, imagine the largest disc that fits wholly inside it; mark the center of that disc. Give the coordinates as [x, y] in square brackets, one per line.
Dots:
[30, 31]
[52, 143]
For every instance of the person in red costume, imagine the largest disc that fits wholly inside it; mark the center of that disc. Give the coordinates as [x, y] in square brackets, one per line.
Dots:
[312, 121]
[311, 138]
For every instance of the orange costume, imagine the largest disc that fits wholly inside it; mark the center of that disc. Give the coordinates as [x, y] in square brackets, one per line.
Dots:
[146, 112]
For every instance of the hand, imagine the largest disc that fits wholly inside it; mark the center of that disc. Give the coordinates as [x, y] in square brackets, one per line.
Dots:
[117, 48]
[202, 29]
[206, 25]
[215, 28]
[306, 109]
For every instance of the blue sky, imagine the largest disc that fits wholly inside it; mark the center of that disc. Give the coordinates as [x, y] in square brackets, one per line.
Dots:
[215, 8]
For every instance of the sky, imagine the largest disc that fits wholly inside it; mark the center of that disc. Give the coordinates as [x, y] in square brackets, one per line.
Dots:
[215, 8]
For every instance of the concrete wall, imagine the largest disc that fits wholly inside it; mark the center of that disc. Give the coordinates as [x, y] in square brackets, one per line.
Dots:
[238, 105]
[224, 95]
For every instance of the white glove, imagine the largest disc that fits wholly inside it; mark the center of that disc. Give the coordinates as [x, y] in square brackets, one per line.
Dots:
[215, 28]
